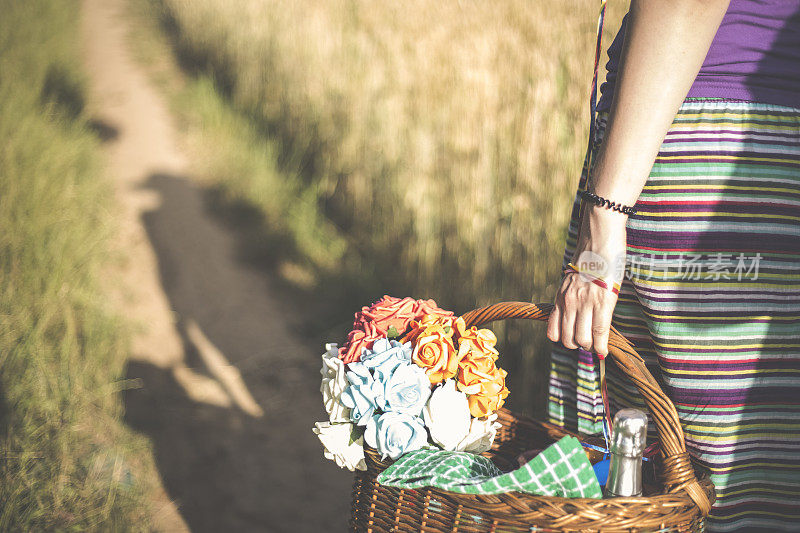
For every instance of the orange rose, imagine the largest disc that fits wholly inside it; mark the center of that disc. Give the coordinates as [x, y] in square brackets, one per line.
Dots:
[474, 369]
[474, 340]
[481, 380]
[433, 347]
[427, 324]
[491, 395]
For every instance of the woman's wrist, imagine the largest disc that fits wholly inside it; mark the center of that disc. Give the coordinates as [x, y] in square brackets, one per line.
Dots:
[603, 238]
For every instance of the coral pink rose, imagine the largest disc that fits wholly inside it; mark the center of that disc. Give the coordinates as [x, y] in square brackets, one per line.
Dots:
[374, 322]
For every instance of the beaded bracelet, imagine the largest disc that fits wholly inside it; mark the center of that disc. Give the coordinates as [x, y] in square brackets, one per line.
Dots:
[600, 282]
[604, 202]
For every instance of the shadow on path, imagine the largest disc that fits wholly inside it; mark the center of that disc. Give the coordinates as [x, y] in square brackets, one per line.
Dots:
[231, 423]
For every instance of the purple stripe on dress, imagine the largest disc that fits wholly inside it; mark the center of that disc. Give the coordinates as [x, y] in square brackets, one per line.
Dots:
[680, 188]
[671, 297]
[713, 241]
[738, 153]
[721, 210]
[723, 349]
[742, 444]
[745, 133]
[690, 319]
[731, 366]
[667, 297]
[725, 397]
[723, 140]
[710, 159]
[776, 462]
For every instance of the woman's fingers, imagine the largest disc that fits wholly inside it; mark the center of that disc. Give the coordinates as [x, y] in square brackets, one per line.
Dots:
[581, 316]
[601, 325]
[583, 327]
[554, 322]
[569, 310]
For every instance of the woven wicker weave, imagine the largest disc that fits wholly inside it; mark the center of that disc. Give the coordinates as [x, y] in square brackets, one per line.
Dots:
[679, 503]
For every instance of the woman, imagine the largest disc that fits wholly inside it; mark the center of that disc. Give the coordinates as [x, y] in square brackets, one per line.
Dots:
[699, 127]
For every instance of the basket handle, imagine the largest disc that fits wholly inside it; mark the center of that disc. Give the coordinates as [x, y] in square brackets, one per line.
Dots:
[678, 471]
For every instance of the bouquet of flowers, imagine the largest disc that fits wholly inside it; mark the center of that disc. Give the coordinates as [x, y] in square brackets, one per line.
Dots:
[410, 375]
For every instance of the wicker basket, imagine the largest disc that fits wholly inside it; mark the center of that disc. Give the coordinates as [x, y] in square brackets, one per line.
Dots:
[679, 502]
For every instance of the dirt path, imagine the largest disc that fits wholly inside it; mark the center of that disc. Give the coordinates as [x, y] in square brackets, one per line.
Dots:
[229, 389]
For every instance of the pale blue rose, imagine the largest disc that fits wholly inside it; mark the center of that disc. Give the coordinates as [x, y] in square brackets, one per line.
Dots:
[369, 378]
[358, 374]
[385, 356]
[394, 434]
[363, 395]
[407, 389]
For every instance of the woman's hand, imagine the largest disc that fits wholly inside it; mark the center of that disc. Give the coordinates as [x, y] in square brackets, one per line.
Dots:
[583, 310]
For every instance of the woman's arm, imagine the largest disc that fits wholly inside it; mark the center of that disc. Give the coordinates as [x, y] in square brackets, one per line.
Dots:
[665, 44]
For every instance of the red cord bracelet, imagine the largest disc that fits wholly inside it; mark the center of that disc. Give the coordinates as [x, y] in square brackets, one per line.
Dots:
[600, 282]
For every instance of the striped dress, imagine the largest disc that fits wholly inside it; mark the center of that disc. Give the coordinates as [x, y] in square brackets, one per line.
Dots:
[711, 300]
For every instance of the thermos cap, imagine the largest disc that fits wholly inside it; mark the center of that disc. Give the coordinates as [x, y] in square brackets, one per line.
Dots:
[629, 434]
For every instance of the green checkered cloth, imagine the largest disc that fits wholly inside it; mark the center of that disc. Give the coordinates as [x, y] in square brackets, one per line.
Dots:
[562, 469]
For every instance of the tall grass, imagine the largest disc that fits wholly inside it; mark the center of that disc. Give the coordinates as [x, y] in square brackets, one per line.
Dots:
[66, 461]
[435, 145]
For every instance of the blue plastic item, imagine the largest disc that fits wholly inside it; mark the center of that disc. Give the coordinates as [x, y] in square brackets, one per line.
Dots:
[601, 471]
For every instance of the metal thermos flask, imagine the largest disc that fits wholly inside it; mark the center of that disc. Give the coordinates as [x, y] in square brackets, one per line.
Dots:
[628, 439]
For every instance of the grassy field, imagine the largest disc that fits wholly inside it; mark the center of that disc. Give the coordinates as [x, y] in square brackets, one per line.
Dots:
[66, 461]
[425, 148]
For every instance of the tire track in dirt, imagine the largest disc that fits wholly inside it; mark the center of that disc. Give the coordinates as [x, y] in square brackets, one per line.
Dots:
[229, 390]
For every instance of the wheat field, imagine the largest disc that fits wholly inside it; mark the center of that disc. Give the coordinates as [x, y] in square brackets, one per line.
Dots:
[441, 141]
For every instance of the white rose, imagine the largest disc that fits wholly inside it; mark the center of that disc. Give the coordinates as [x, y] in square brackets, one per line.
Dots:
[336, 438]
[447, 415]
[481, 435]
[334, 381]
